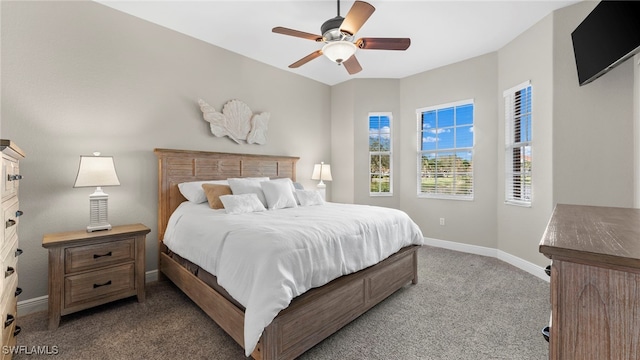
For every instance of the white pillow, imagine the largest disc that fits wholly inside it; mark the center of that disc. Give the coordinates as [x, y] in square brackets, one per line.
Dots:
[279, 194]
[240, 204]
[309, 197]
[241, 186]
[193, 191]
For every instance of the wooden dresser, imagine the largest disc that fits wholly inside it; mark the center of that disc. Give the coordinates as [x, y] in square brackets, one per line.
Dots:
[595, 282]
[9, 251]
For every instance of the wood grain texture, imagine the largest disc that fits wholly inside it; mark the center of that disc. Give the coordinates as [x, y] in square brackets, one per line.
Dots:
[89, 269]
[595, 282]
[311, 317]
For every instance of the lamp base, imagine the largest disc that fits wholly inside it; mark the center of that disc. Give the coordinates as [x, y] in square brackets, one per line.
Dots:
[92, 228]
[98, 210]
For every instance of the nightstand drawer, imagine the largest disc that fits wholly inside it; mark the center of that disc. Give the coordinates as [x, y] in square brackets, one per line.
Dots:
[95, 285]
[93, 256]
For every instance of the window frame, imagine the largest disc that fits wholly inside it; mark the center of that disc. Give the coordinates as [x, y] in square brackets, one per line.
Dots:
[380, 153]
[421, 152]
[512, 119]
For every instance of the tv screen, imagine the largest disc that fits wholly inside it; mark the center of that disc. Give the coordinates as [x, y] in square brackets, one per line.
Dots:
[609, 35]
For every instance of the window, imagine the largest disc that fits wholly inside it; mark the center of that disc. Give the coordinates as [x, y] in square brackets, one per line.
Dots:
[517, 102]
[380, 181]
[445, 159]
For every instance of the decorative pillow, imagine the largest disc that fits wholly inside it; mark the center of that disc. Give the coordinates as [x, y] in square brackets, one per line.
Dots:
[279, 194]
[193, 191]
[240, 204]
[298, 186]
[213, 193]
[309, 197]
[241, 186]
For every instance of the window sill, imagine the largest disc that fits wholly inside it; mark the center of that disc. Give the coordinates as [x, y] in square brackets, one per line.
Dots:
[445, 197]
[380, 194]
[526, 204]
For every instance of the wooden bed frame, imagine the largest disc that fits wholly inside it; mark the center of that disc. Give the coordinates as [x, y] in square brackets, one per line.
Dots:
[311, 317]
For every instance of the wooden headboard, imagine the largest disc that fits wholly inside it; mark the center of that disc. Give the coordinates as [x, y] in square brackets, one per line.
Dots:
[176, 166]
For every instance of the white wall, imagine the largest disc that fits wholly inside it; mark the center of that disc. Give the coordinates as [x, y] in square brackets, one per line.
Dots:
[79, 77]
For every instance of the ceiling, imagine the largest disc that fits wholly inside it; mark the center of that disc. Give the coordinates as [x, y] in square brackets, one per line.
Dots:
[441, 32]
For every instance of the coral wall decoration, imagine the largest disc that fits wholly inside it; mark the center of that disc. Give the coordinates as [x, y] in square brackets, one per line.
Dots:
[236, 121]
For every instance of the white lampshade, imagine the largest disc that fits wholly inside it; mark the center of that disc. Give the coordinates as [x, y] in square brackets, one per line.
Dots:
[97, 171]
[321, 172]
[339, 51]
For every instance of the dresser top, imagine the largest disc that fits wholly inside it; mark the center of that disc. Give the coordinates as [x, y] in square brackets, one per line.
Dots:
[593, 234]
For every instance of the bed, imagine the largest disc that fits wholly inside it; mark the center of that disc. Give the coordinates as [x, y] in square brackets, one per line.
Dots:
[310, 317]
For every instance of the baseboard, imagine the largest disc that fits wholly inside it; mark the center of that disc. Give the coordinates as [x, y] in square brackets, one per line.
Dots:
[521, 264]
[41, 303]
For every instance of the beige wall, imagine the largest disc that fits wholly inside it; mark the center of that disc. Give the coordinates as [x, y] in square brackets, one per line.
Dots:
[470, 222]
[528, 57]
[79, 77]
[593, 125]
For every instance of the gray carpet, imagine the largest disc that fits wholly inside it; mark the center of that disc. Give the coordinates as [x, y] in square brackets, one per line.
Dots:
[464, 307]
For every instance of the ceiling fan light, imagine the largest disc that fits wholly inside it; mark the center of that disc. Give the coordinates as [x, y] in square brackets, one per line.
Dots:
[339, 51]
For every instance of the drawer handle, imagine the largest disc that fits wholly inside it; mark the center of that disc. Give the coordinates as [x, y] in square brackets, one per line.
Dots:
[9, 223]
[18, 291]
[95, 286]
[17, 330]
[545, 333]
[19, 213]
[18, 252]
[14, 177]
[9, 271]
[9, 321]
[95, 256]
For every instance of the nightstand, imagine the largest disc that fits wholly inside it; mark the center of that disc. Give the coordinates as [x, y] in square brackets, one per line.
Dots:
[87, 269]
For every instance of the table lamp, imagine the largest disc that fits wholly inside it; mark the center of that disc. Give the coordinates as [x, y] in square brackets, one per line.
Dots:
[97, 171]
[322, 172]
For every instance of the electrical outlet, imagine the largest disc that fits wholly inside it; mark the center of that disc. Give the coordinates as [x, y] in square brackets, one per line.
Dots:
[441, 221]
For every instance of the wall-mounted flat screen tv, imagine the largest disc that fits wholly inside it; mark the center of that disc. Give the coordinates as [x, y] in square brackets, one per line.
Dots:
[609, 35]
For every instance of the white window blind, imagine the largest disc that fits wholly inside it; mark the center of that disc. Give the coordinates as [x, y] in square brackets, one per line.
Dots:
[380, 159]
[518, 161]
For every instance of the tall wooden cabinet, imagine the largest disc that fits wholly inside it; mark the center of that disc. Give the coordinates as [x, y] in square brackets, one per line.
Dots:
[595, 282]
[9, 251]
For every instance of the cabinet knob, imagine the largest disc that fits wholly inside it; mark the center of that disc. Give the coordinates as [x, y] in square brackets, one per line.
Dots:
[545, 333]
[9, 223]
[9, 321]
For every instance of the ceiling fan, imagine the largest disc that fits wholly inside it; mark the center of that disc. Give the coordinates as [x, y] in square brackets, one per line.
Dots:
[338, 34]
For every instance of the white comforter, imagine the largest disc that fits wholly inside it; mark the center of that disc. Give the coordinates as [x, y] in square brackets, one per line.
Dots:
[265, 259]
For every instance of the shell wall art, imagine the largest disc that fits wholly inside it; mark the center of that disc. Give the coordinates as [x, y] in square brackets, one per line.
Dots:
[237, 122]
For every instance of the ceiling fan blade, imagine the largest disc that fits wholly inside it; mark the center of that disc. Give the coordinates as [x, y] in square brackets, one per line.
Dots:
[383, 43]
[306, 59]
[356, 17]
[352, 65]
[296, 33]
